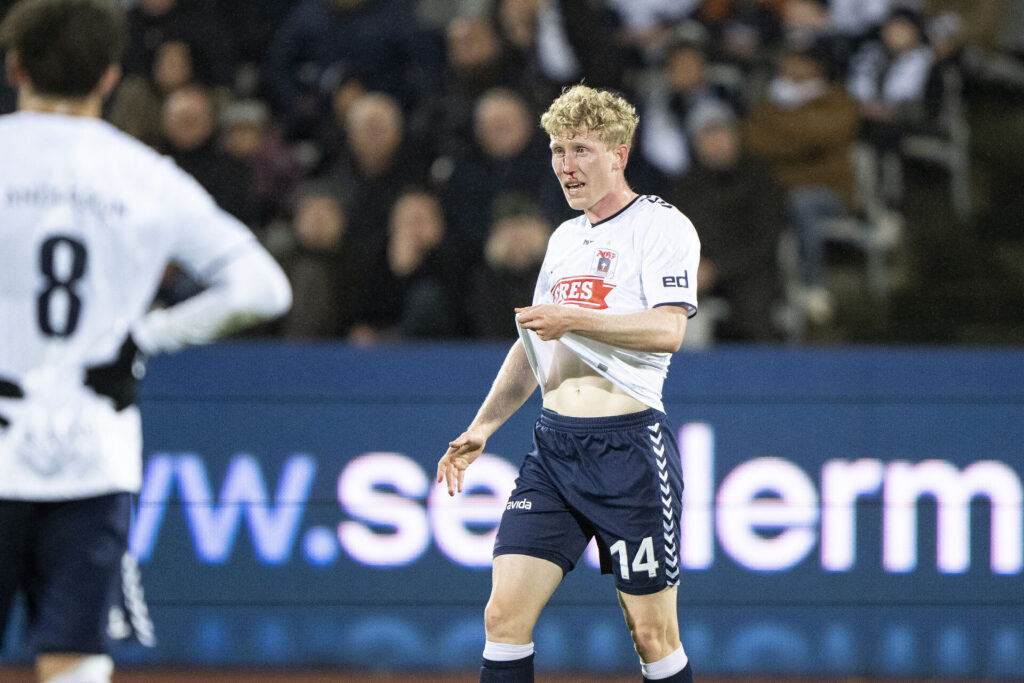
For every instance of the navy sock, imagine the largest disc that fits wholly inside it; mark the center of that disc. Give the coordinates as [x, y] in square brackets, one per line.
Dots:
[684, 676]
[514, 671]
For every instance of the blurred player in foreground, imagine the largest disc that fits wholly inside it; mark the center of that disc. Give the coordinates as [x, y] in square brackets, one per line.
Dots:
[616, 288]
[89, 217]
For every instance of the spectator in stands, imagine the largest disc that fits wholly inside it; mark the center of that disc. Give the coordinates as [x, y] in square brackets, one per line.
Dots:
[809, 22]
[858, 19]
[249, 135]
[411, 294]
[507, 276]
[323, 271]
[804, 128]
[376, 165]
[253, 23]
[744, 32]
[136, 106]
[646, 25]
[888, 77]
[153, 23]
[188, 124]
[477, 60]
[322, 42]
[682, 86]
[507, 155]
[740, 211]
[534, 32]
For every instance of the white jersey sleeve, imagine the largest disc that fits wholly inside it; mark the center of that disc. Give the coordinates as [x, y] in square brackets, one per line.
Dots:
[671, 256]
[243, 283]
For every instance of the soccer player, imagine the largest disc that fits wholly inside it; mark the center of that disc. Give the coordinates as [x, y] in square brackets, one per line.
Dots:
[89, 218]
[616, 288]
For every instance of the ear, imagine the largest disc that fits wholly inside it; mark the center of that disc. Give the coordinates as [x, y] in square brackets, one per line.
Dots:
[16, 75]
[621, 157]
[109, 79]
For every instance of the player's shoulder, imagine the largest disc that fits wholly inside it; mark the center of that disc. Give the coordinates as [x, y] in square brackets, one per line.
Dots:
[652, 213]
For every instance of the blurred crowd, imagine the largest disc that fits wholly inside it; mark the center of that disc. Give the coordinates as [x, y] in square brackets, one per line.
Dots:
[388, 152]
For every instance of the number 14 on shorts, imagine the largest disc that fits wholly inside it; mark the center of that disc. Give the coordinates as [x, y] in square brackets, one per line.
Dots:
[642, 561]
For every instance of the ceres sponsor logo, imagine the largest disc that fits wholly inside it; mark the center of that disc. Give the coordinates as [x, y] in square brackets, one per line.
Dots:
[587, 292]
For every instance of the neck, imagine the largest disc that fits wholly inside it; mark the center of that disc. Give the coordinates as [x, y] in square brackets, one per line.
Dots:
[610, 204]
[90, 105]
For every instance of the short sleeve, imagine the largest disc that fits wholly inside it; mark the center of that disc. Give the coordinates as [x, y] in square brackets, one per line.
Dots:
[671, 254]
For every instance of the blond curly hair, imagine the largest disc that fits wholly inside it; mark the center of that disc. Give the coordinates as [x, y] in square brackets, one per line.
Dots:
[581, 110]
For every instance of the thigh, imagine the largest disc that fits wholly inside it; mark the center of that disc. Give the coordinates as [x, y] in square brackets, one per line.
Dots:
[633, 501]
[538, 521]
[77, 568]
[520, 587]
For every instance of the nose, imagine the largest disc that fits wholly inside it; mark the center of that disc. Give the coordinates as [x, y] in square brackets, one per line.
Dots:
[568, 164]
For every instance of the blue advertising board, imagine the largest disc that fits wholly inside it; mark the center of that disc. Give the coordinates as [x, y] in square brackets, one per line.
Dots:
[846, 512]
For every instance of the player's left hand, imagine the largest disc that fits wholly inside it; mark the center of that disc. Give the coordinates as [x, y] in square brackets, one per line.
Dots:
[549, 321]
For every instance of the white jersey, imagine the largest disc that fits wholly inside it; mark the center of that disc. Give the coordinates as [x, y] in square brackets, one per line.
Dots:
[89, 218]
[644, 256]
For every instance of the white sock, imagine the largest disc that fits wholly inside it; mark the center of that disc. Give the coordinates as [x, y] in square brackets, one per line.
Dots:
[666, 666]
[88, 669]
[503, 652]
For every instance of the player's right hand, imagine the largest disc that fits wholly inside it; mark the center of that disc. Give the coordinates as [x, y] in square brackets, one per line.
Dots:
[451, 468]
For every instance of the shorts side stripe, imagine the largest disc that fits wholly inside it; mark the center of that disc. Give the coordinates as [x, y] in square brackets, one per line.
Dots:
[668, 521]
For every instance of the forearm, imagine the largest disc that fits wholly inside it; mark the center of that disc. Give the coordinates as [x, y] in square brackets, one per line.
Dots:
[249, 290]
[514, 384]
[659, 329]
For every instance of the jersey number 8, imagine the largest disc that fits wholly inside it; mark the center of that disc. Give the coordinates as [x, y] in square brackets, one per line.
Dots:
[60, 282]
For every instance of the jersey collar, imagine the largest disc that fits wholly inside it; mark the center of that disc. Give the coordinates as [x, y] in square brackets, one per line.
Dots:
[617, 213]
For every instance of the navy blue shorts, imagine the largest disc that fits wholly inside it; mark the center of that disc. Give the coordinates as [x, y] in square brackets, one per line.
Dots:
[618, 479]
[66, 556]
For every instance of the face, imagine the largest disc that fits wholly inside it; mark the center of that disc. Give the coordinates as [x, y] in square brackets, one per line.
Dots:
[188, 119]
[471, 42]
[502, 126]
[157, 8]
[587, 170]
[374, 129]
[798, 68]
[685, 69]
[416, 219]
[518, 242]
[319, 222]
[172, 66]
[900, 34]
[805, 14]
[718, 146]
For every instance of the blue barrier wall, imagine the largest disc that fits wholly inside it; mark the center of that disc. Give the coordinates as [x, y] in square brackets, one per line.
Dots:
[846, 512]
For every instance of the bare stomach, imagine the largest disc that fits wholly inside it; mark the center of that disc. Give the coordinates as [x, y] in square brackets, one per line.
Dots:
[577, 390]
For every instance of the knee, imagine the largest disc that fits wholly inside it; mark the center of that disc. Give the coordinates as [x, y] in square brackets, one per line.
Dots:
[653, 640]
[506, 624]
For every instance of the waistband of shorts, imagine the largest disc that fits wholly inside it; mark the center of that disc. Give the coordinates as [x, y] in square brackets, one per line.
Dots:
[550, 418]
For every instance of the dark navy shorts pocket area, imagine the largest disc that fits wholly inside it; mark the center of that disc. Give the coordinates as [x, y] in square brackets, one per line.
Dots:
[67, 558]
[616, 478]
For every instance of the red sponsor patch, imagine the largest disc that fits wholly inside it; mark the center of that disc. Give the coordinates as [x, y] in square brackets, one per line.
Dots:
[587, 292]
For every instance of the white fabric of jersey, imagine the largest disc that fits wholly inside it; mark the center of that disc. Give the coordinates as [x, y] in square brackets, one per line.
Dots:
[644, 256]
[89, 218]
